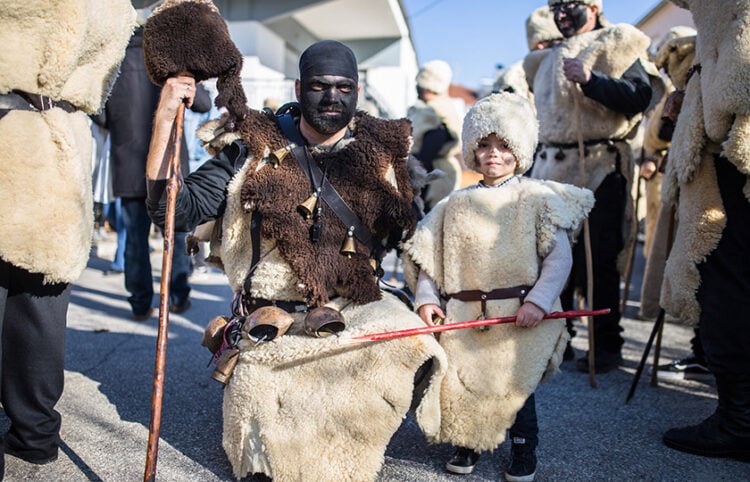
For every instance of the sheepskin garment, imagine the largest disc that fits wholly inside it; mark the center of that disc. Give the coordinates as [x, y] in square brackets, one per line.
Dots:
[427, 116]
[484, 239]
[715, 119]
[47, 216]
[302, 409]
[370, 172]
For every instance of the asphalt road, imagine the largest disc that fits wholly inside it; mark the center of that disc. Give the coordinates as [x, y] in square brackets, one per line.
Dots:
[585, 433]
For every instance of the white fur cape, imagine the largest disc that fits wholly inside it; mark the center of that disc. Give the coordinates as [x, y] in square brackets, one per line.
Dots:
[302, 408]
[486, 239]
[67, 50]
[425, 117]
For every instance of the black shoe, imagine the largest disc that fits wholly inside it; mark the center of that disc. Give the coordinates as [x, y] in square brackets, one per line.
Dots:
[605, 362]
[690, 366]
[522, 466]
[708, 438]
[569, 353]
[463, 461]
[177, 309]
[143, 316]
[31, 456]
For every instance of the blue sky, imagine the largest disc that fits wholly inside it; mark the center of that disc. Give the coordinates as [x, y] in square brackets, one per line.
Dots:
[475, 35]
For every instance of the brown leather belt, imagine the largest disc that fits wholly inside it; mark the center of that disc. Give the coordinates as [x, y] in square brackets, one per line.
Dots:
[519, 292]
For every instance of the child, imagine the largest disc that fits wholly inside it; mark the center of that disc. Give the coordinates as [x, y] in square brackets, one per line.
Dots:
[495, 249]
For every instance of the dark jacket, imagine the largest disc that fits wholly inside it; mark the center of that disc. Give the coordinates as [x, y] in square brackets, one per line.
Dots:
[129, 118]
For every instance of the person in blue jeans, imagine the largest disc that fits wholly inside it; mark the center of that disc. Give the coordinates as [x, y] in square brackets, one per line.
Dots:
[113, 215]
[129, 115]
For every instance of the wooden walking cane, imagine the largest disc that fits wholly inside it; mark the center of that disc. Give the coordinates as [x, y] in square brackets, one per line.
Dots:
[587, 241]
[188, 37]
[631, 254]
[657, 330]
[175, 141]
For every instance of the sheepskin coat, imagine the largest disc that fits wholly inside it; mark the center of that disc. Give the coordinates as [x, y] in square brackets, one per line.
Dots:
[368, 169]
[46, 220]
[676, 57]
[425, 117]
[303, 409]
[484, 239]
[715, 120]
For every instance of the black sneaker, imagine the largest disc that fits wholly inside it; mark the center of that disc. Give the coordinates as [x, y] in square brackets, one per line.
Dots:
[687, 367]
[569, 352]
[463, 461]
[522, 466]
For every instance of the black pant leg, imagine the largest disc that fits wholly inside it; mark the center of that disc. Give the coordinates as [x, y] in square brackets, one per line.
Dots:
[33, 354]
[526, 425]
[725, 281]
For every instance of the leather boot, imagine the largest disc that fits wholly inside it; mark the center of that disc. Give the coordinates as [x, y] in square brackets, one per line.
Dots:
[726, 433]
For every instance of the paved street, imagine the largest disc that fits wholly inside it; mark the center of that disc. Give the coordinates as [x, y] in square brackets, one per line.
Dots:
[585, 433]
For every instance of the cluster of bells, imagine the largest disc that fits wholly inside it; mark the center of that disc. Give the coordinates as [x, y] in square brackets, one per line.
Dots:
[309, 209]
[223, 335]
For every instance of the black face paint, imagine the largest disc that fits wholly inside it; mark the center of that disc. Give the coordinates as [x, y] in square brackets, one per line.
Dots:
[328, 102]
[570, 17]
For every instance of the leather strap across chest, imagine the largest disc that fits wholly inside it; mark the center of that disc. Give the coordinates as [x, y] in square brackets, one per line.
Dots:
[328, 193]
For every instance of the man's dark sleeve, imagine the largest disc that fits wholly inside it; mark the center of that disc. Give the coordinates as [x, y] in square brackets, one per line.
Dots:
[628, 95]
[202, 195]
[433, 141]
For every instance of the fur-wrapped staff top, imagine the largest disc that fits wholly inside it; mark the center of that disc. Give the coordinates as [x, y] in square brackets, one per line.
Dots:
[192, 36]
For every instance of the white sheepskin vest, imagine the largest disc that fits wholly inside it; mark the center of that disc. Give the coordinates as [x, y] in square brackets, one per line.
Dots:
[67, 50]
[483, 239]
[301, 408]
[610, 51]
[425, 117]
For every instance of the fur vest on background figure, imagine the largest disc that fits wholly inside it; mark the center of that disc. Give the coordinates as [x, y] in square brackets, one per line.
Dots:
[425, 117]
[715, 120]
[369, 170]
[465, 243]
[67, 50]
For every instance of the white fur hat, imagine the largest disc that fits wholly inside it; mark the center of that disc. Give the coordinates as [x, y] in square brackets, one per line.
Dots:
[435, 75]
[593, 3]
[540, 27]
[510, 117]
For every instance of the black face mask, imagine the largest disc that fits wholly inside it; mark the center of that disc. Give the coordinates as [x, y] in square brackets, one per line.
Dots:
[575, 15]
[328, 102]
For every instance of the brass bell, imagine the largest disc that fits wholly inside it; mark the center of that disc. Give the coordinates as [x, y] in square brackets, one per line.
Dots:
[277, 156]
[348, 248]
[323, 321]
[306, 207]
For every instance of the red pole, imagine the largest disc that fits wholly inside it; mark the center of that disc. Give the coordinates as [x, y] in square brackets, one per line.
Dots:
[389, 335]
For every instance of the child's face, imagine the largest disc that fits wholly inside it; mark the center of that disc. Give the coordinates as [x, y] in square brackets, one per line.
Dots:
[496, 161]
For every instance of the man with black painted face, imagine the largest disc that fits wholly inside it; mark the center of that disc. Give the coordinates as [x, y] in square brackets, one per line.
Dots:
[308, 200]
[592, 89]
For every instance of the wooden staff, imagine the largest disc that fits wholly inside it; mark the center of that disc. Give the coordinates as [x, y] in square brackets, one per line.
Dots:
[586, 238]
[658, 327]
[390, 335]
[175, 142]
[631, 254]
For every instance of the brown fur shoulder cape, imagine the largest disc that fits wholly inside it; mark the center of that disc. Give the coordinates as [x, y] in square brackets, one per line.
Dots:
[369, 171]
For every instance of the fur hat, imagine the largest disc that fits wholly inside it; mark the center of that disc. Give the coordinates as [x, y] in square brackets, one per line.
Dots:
[676, 57]
[540, 27]
[435, 76]
[191, 36]
[510, 117]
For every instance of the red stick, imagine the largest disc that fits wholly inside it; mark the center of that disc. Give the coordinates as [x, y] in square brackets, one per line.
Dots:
[389, 335]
